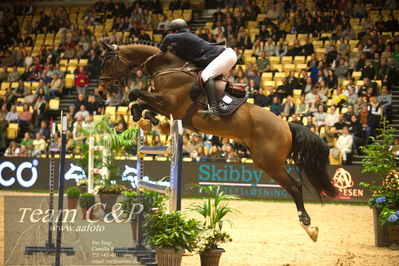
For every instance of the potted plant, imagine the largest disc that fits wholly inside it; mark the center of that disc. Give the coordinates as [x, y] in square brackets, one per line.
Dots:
[151, 200]
[389, 217]
[385, 188]
[82, 185]
[170, 234]
[73, 197]
[109, 194]
[214, 209]
[385, 204]
[86, 200]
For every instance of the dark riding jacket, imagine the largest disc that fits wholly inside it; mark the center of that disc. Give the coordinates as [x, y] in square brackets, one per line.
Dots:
[192, 48]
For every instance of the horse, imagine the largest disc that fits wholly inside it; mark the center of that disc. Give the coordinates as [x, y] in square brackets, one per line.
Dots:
[271, 140]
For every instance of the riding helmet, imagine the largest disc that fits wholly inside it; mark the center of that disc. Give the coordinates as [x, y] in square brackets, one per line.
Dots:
[177, 24]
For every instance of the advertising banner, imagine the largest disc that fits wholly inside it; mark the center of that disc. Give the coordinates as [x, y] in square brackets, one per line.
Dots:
[28, 173]
[247, 181]
[243, 180]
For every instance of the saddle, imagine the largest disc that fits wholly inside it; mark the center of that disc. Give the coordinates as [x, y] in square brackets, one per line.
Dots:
[230, 96]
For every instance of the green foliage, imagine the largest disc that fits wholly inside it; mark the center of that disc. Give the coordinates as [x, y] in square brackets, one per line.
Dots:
[387, 199]
[389, 216]
[86, 200]
[380, 160]
[151, 201]
[108, 136]
[105, 136]
[214, 209]
[171, 230]
[82, 182]
[73, 192]
[83, 160]
[111, 189]
[209, 238]
[114, 170]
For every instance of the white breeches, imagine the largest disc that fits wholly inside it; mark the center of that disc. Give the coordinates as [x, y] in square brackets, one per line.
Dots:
[224, 62]
[344, 153]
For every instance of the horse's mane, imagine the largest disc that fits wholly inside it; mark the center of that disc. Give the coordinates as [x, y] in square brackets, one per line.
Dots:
[171, 56]
[148, 43]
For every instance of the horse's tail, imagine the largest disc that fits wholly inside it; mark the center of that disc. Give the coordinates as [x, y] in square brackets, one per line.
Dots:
[310, 154]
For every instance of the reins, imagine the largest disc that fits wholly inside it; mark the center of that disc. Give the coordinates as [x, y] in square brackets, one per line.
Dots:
[116, 82]
[142, 65]
[184, 69]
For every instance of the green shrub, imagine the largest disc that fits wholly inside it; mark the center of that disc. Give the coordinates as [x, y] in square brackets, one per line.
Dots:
[171, 230]
[111, 189]
[73, 193]
[86, 200]
[151, 200]
[82, 182]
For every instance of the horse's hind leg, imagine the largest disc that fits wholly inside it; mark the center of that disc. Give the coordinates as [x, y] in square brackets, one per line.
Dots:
[294, 188]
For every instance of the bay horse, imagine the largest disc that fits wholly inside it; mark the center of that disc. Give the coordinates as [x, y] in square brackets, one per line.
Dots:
[270, 139]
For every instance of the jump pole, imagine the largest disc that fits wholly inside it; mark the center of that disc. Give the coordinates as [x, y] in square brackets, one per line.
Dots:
[90, 166]
[173, 191]
[49, 247]
[103, 171]
[61, 178]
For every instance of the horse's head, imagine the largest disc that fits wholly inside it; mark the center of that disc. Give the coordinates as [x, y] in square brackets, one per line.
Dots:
[118, 61]
[114, 69]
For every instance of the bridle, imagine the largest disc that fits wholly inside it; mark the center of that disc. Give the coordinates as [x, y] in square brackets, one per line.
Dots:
[116, 77]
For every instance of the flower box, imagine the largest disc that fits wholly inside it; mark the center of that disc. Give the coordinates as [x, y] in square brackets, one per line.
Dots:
[393, 233]
[380, 231]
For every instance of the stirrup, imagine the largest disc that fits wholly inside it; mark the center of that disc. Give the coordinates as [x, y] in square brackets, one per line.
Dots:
[211, 113]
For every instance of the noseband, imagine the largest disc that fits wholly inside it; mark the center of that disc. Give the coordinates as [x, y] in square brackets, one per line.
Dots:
[116, 76]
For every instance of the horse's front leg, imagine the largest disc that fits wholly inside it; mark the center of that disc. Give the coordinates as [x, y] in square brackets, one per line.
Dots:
[143, 110]
[133, 96]
[154, 99]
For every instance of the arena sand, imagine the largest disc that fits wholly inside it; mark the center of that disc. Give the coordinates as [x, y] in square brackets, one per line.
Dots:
[268, 233]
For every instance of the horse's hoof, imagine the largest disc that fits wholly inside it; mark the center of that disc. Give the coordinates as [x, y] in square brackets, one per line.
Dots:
[145, 125]
[165, 127]
[133, 96]
[149, 115]
[313, 231]
[135, 114]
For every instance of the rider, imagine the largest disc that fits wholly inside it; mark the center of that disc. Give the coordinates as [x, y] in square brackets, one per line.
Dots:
[216, 59]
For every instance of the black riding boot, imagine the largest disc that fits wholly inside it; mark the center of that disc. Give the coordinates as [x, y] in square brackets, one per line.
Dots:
[213, 111]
